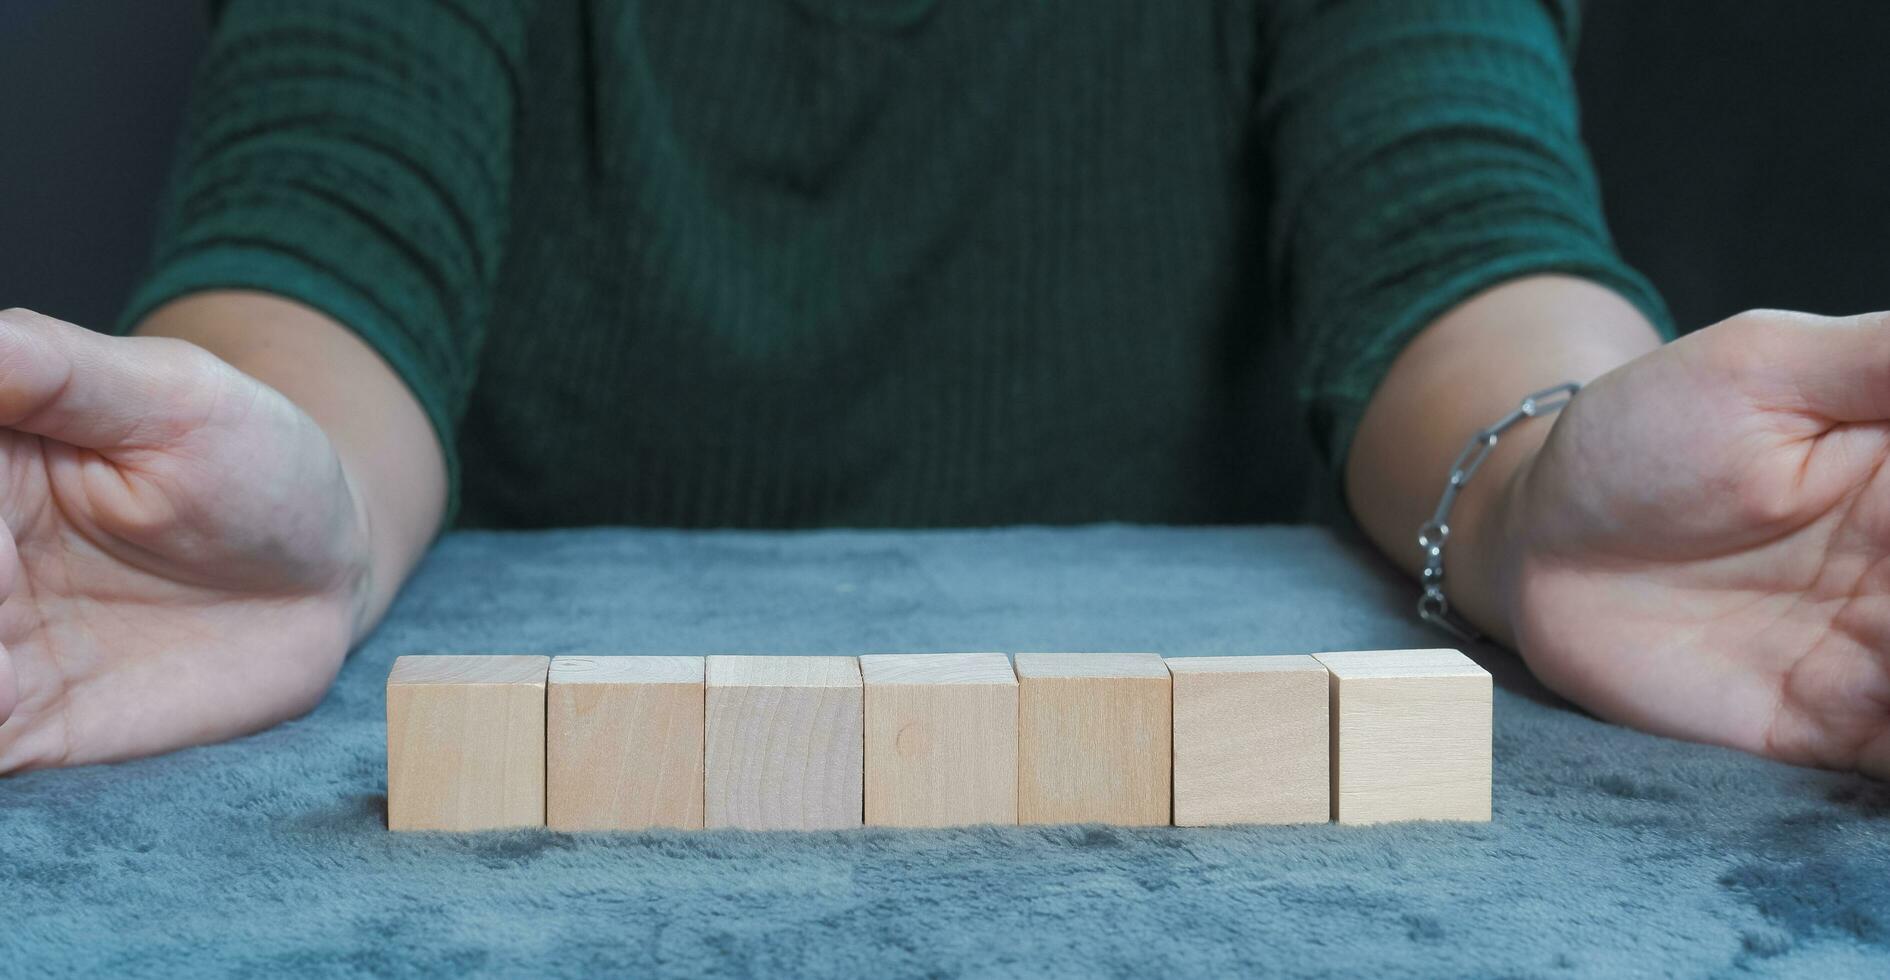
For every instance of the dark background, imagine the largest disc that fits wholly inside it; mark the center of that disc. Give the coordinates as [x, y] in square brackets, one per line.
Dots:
[1743, 145]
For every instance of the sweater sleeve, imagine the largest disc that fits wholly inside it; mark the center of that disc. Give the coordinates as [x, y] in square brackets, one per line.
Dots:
[355, 156]
[1419, 151]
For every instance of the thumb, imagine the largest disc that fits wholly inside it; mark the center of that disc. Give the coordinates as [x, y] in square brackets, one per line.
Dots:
[1835, 368]
[68, 383]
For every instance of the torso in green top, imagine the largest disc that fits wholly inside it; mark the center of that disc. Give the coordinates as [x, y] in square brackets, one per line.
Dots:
[880, 263]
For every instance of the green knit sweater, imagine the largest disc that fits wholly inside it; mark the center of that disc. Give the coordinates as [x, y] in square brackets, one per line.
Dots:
[883, 262]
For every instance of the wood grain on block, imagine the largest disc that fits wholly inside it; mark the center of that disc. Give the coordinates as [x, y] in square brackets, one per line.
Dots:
[1251, 740]
[1093, 738]
[1410, 736]
[466, 742]
[623, 743]
[941, 739]
[782, 743]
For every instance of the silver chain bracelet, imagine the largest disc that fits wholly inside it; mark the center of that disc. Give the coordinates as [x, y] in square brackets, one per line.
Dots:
[1432, 607]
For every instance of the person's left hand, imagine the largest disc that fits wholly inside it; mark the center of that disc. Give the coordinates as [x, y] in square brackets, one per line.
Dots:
[1701, 547]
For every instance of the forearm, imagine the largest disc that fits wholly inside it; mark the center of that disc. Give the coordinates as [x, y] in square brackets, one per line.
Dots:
[387, 448]
[1466, 370]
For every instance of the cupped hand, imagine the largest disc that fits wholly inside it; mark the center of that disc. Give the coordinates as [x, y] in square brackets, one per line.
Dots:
[1701, 547]
[183, 558]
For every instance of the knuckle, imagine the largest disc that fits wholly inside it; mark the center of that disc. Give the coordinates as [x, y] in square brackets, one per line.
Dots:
[175, 360]
[1768, 328]
[172, 379]
[1752, 327]
[197, 387]
[1738, 345]
[1754, 342]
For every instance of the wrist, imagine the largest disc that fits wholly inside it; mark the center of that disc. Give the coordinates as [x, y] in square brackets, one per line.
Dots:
[1484, 552]
[1464, 371]
[390, 461]
[368, 558]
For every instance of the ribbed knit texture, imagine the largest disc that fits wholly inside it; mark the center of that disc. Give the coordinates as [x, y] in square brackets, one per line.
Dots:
[761, 262]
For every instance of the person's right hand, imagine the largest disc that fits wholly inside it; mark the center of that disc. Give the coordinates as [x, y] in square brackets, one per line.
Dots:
[183, 558]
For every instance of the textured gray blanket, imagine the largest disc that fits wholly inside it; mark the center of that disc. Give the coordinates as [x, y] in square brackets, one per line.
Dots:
[1611, 852]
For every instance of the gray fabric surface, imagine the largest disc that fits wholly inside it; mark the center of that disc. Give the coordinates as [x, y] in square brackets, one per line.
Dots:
[1612, 853]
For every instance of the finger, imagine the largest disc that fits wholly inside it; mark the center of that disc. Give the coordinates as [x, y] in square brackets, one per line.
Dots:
[68, 383]
[1837, 368]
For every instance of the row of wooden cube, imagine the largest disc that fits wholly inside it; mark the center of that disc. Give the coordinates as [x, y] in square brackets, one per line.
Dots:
[597, 743]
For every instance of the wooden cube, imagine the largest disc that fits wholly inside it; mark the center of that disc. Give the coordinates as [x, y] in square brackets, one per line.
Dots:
[782, 743]
[623, 743]
[1251, 740]
[1410, 736]
[466, 743]
[941, 739]
[1093, 738]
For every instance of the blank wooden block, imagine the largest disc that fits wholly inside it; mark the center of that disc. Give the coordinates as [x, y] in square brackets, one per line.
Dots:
[623, 743]
[1093, 738]
[941, 739]
[1410, 736]
[782, 743]
[1251, 740]
[466, 743]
